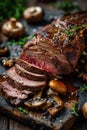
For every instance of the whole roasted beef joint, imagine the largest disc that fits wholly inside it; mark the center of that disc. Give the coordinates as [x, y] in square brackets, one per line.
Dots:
[54, 51]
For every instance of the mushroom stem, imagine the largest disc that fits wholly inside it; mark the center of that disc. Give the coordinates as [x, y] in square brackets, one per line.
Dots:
[13, 22]
[38, 95]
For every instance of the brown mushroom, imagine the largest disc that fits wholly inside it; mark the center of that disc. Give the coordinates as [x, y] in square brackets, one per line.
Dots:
[57, 107]
[84, 110]
[51, 92]
[8, 63]
[47, 104]
[49, 100]
[36, 102]
[4, 50]
[33, 14]
[58, 86]
[13, 28]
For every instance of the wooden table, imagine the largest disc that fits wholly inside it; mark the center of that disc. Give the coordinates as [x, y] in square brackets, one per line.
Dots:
[9, 124]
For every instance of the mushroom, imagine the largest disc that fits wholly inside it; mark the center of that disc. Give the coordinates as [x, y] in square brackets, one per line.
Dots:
[4, 50]
[47, 104]
[57, 107]
[36, 102]
[33, 14]
[8, 63]
[13, 28]
[58, 86]
[84, 110]
[49, 100]
[51, 92]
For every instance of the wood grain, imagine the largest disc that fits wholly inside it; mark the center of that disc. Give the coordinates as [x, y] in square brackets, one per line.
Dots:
[4, 123]
[13, 125]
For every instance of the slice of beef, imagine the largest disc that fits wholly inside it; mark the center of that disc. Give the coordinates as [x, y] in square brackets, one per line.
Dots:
[29, 75]
[29, 67]
[57, 47]
[11, 92]
[22, 83]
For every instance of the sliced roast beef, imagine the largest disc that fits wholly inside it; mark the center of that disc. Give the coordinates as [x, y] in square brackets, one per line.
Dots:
[29, 67]
[11, 92]
[22, 83]
[29, 75]
[57, 47]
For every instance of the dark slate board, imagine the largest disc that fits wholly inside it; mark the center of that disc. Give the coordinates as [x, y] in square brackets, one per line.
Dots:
[64, 120]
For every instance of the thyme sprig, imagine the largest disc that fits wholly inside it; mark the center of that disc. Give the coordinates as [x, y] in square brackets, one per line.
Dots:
[23, 110]
[74, 109]
[21, 41]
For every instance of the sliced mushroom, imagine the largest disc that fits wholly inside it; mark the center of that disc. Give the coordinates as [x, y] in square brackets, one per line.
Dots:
[57, 107]
[51, 92]
[48, 103]
[34, 14]
[36, 102]
[13, 28]
[58, 86]
[4, 50]
[8, 63]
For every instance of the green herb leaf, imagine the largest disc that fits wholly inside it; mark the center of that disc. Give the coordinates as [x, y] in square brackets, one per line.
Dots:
[69, 5]
[12, 8]
[76, 28]
[74, 109]
[23, 110]
[83, 88]
[69, 33]
[21, 41]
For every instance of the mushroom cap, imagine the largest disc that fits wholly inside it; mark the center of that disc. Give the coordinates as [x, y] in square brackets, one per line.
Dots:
[13, 28]
[35, 103]
[33, 14]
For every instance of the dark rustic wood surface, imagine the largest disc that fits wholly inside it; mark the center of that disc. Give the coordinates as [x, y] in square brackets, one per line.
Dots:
[8, 124]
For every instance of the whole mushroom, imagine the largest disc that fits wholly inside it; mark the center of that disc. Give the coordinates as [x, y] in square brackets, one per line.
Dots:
[33, 14]
[13, 28]
[4, 50]
[84, 110]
